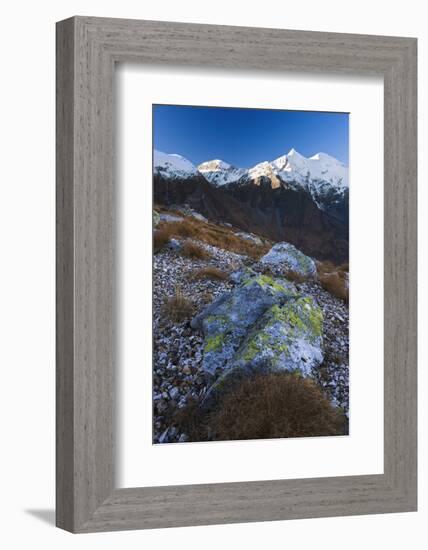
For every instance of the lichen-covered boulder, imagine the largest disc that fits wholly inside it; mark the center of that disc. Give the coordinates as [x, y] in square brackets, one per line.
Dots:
[227, 321]
[289, 258]
[156, 218]
[287, 337]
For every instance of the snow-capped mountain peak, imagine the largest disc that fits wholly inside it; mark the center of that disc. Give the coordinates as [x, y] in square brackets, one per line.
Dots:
[294, 167]
[264, 169]
[324, 177]
[218, 172]
[213, 166]
[293, 153]
[173, 166]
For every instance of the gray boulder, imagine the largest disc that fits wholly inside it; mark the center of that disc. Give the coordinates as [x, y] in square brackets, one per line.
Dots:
[199, 217]
[169, 218]
[174, 244]
[228, 320]
[249, 237]
[156, 218]
[287, 337]
[263, 325]
[288, 258]
[186, 210]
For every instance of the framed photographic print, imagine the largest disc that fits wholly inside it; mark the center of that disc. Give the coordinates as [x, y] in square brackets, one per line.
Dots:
[236, 274]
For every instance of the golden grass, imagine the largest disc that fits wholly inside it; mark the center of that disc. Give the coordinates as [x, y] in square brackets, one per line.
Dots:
[213, 234]
[160, 238]
[334, 279]
[336, 284]
[210, 272]
[295, 277]
[193, 250]
[177, 308]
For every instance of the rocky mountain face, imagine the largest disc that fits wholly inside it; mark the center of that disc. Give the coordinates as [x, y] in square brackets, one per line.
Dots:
[301, 200]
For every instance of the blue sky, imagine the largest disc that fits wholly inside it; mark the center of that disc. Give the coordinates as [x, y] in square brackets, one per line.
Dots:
[244, 137]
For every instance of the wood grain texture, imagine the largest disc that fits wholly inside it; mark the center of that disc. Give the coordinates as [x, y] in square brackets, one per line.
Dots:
[87, 49]
[64, 276]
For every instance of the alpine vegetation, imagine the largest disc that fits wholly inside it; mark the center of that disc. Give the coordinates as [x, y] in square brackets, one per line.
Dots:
[250, 276]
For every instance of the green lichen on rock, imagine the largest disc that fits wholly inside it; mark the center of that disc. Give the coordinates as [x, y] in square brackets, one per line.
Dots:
[242, 274]
[271, 284]
[156, 218]
[302, 314]
[256, 345]
[230, 317]
[263, 325]
[214, 343]
[287, 337]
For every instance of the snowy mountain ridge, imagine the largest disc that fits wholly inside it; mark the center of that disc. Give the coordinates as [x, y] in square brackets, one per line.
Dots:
[321, 175]
[290, 168]
[173, 166]
[220, 173]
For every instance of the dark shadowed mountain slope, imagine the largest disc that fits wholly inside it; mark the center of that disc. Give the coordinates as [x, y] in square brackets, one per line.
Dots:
[279, 214]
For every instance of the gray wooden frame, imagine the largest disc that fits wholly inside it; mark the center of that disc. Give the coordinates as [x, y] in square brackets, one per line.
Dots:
[87, 50]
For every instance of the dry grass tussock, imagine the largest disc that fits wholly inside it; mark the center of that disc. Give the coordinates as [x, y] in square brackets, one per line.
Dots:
[264, 407]
[177, 308]
[210, 272]
[295, 277]
[334, 279]
[276, 405]
[193, 250]
[290, 275]
[160, 238]
[213, 234]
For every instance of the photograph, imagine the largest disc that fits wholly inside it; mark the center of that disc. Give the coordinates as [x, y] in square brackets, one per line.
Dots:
[250, 273]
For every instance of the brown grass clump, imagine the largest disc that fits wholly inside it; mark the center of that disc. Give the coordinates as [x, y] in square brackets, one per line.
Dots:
[178, 308]
[185, 229]
[334, 279]
[276, 405]
[326, 267]
[215, 235]
[210, 272]
[336, 284]
[295, 277]
[193, 250]
[160, 238]
[264, 407]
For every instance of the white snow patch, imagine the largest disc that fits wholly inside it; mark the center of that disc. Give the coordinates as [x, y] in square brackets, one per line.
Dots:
[173, 166]
[218, 172]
